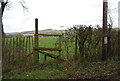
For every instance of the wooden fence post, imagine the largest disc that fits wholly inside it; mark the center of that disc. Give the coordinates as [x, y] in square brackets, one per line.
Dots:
[1, 42]
[36, 44]
[118, 45]
[60, 38]
[76, 39]
[105, 31]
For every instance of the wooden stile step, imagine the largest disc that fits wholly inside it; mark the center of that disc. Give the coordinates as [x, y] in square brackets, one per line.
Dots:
[50, 54]
[51, 49]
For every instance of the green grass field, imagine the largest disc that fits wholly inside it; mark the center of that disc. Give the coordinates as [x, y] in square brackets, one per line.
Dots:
[52, 42]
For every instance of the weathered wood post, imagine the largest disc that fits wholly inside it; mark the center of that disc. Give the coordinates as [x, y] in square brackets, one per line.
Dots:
[0, 41]
[36, 43]
[76, 39]
[105, 31]
[119, 29]
[60, 38]
[119, 14]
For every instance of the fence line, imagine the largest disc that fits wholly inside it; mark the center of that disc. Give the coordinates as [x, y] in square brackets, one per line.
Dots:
[15, 50]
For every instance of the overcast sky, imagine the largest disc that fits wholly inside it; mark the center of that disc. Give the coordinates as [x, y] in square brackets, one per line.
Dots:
[55, 13]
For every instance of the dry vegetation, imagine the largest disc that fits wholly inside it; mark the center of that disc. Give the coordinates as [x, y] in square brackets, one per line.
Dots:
[81, 51]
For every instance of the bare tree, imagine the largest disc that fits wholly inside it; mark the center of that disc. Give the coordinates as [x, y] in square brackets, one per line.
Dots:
[111, 20]
[5, 4]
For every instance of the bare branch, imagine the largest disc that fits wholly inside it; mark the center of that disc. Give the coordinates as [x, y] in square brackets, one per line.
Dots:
[3, 5]
[23, 3]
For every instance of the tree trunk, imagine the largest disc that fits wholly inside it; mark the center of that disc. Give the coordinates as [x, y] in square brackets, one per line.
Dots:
[3, 4]
[1, 43]
[2, 7]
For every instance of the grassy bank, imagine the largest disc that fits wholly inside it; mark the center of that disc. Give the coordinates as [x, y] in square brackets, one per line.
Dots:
[66, 70]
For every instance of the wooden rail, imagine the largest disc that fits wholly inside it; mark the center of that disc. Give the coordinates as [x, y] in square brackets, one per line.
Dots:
[50, 54]
[51, 49]
[48, 34]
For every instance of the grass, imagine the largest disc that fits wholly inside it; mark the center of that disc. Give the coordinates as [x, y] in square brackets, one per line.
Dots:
[65, 70]
[52, 69]
[49, 42]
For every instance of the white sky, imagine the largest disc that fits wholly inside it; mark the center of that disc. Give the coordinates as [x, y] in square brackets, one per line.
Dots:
[55, 13]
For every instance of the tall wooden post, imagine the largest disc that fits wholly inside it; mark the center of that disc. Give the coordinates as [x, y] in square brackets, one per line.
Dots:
[119, 29]
[60, 38]
[76, 40]
[0, 41]
[36, 43]
[105, 31]
[119, 14]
